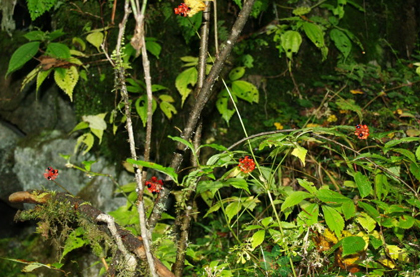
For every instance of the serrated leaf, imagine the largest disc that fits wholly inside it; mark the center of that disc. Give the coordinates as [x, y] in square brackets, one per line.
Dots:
[22, 55]
[37, 8]
[309, 214]
[333, 219]
[238, 183]
[236, 73]
[68, 81]
[295, 198]
[58, 50]
[246, 91]
[183, 82]
[363, 184]
[141, 108]
[232, 210]
[257, 238]
[300, 153]
[96, 38]
[352, 245]
[370, 210]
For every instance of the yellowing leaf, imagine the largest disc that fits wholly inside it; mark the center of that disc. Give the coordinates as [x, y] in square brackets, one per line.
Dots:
[397, 253]
[68, 81]
[196, 6]
[356, 91]
[96, 39]
[300, 153]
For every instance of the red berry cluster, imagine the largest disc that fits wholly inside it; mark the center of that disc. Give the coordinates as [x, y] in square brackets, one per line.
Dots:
[154, 185]
[362, 131]
[51, 173]
[246, 165]
[182, 10]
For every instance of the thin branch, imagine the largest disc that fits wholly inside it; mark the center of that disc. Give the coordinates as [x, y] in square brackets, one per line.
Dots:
[202, 99]
[120, 83]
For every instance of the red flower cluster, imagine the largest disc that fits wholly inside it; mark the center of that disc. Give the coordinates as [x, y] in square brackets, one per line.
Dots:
[182, 10]
[362, 131]
[51, 173]
[246, 165]
[154, 185]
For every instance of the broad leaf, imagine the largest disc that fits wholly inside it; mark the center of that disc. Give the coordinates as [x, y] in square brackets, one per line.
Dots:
[341, 41]
[168, 109]
[96, 38]
[367, 222]
[58, 50]
[363, 184]
[233, 209]
[236, 73]
[331, 197]
[295, 198]
[300, 153]
[352, 245]
[185, 81]
[257, 238]
[290, 42]
[141, 108]
[68, 81]
[153, 47]
[167, 170]
[74, 240]
[22, 55]
[246, 91]
[333, 219]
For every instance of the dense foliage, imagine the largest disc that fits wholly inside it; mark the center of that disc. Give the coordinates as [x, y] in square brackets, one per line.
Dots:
[311, 166]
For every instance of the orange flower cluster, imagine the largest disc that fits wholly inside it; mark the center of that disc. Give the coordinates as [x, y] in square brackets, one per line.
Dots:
[182, 10]
[362, 131]
[154, 185]
[246, 165]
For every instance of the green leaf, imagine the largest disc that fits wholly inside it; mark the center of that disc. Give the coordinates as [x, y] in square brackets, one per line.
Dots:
[141, 108]
[212, 186]
[266, 221]
[187, 78]
[331, 197]
[80, 126]
[167, 170]
[300, 153]
[349, 210]
[168, 109]
[406, 221]
[316, 35]
[238, 183]
[74, 240]
[309, 214]
[183, 141]
[367, 222]
[222, 106]
[246, 91]
[309, 186]
[257, 238]
[96, 38]
[295, 198]
[40, 78]
[341, 41]
[418, 153]
[394, 142]
[301, 10]
[166, 98]
[381, 186]
[87, 140]
[58, 50]
[68, 81]
[363, 184]
[237, 73]
[371, 211]
[233, 209]
[349, 104]
[22, 55]
[153, 47]
[407, 153]
[38, 7]
[352, 245]
[333, 219]
[35, 35]
[290, 42]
